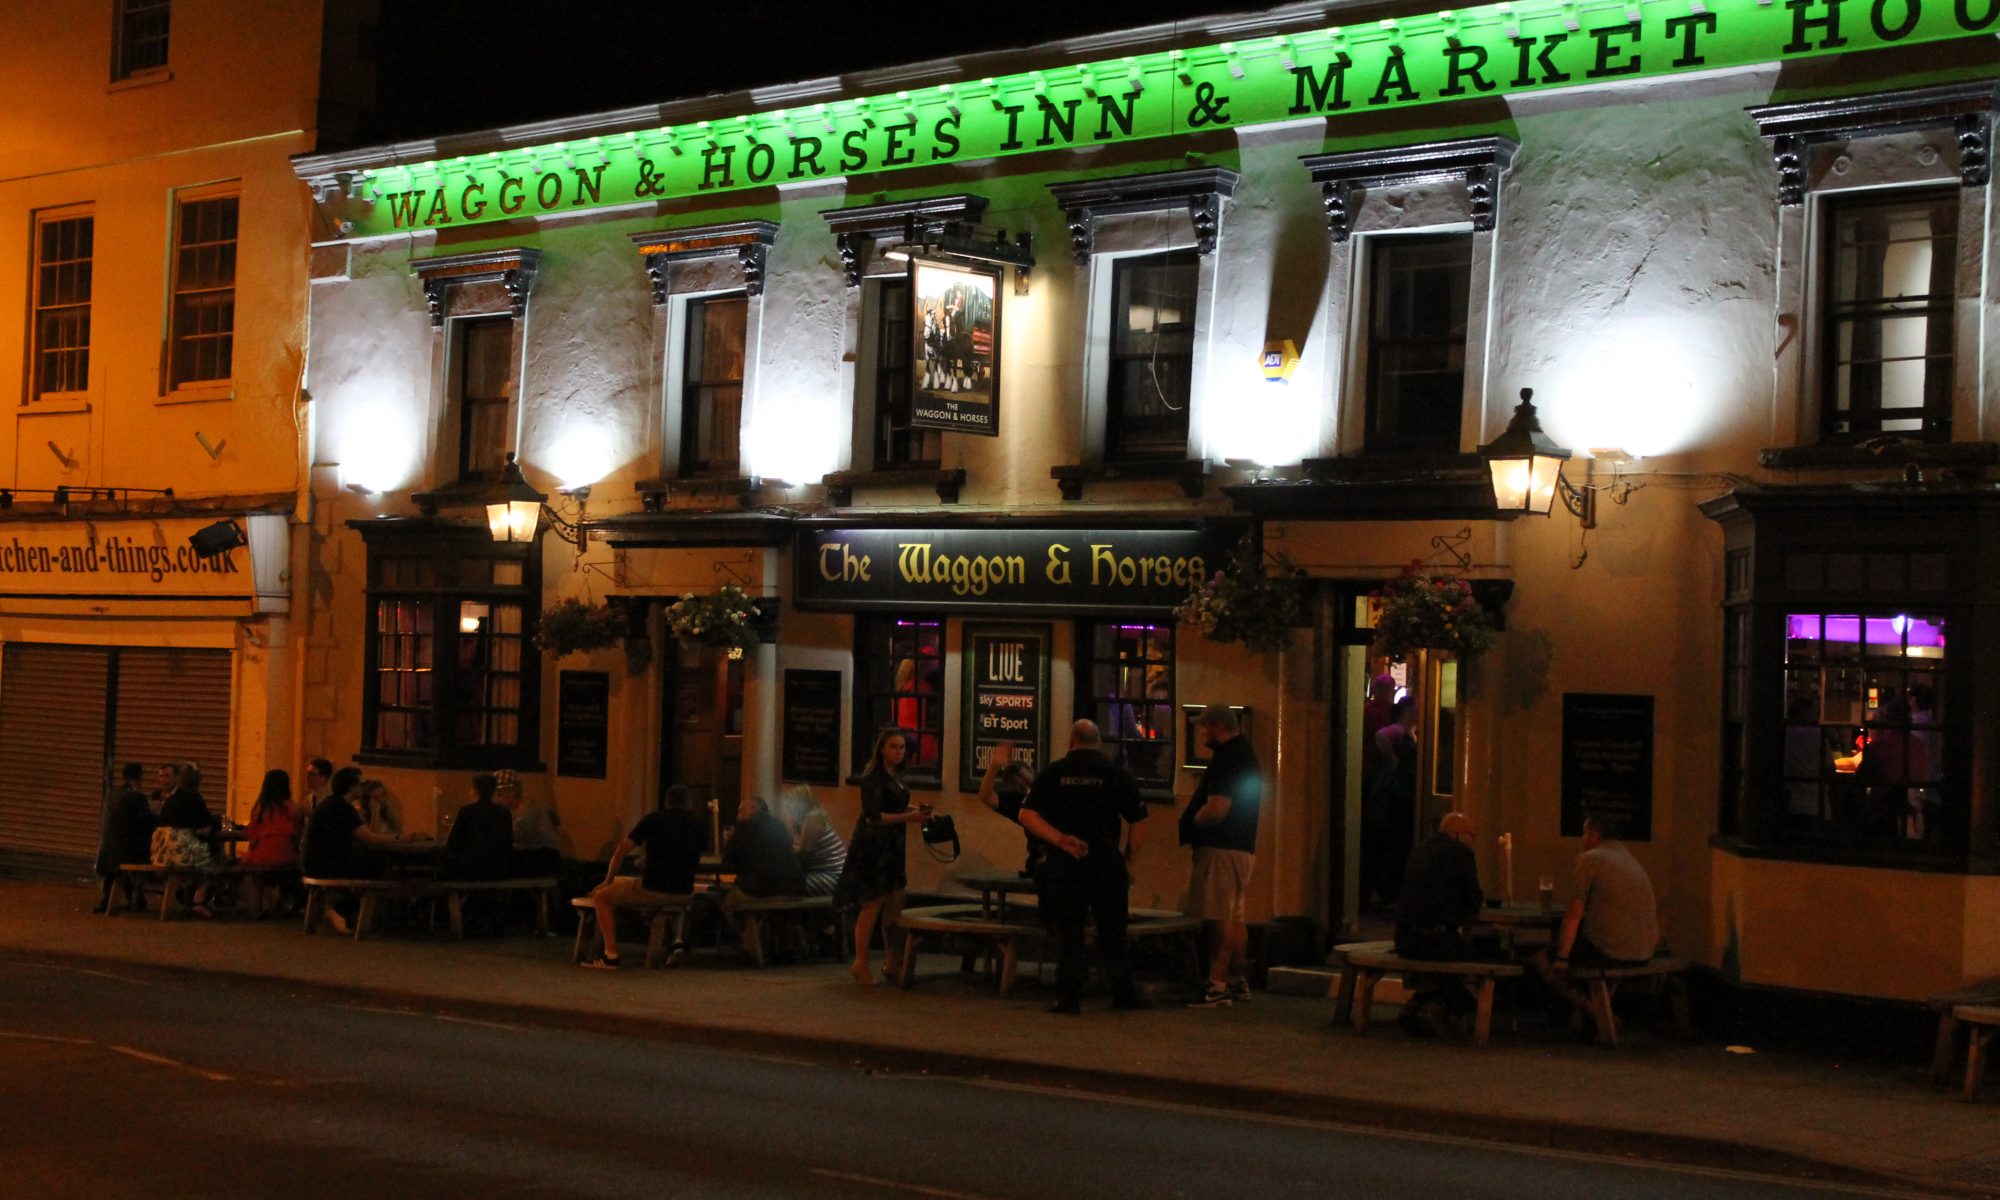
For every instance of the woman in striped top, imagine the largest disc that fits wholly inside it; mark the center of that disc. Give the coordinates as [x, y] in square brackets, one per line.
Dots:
[821, 851]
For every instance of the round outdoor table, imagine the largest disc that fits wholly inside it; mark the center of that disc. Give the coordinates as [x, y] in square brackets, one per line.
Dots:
[402, 860]
[994, 887]
[1515, 919]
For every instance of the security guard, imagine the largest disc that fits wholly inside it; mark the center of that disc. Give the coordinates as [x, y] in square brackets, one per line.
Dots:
[1076, 805]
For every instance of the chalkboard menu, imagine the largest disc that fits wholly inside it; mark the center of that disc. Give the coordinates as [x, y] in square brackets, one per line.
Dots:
[812, 727]
[1006, 697]
[583, 720]
[1607, 762]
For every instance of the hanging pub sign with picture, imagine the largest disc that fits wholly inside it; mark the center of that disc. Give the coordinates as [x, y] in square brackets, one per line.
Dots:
[955, 355]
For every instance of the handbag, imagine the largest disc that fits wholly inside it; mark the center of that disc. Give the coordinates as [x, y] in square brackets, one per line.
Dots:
[936, 830]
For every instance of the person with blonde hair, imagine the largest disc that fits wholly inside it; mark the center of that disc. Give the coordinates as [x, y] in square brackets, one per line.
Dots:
[873, 879]
[821, 852]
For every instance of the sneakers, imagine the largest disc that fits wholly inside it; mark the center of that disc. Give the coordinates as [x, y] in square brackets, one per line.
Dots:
[601, 963]
[1211, 997]
[1239, 990]
[677, 956]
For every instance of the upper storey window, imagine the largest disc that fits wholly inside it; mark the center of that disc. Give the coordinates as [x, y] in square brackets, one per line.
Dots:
[1891, 261]
[139, 37]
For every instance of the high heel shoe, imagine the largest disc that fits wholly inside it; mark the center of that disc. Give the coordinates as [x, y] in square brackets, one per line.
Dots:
[862, 975]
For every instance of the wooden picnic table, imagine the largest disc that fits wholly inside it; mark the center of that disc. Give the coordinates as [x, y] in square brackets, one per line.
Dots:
[994, 887]
[1513, 920]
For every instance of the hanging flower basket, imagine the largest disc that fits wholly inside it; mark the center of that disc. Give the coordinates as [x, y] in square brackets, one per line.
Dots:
[726, 617]
[574, 627]
[1430, 612]
[1242, 603]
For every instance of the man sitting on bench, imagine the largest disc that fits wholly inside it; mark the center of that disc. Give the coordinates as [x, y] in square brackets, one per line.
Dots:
[673, 839]
[1440, 898]
[1612, 919]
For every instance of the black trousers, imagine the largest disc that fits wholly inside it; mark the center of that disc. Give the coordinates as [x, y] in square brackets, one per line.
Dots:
[1074, 890]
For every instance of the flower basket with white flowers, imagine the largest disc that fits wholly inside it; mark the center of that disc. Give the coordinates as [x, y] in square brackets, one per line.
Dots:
[727, 617]
[1243, 603]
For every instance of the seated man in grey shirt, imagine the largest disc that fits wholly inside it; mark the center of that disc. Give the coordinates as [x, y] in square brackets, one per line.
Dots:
[1613, 917]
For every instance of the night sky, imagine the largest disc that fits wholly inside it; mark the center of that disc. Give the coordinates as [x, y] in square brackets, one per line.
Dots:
[447, 66]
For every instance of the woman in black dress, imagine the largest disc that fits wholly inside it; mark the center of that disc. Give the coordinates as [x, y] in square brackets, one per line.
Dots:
[873, 878]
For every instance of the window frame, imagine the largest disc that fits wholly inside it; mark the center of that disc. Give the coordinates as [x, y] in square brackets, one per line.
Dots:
[1428, 188]
[123, 40]
[462, 407]
[449, 591]
[175, 382]
[1832, 548]
[685, 308]
[1936, 411]
[1828, 149]
[1116, 363]
[1088, 702]
[1369, 343]
[864, 694]
[883, 359]
[37, 309]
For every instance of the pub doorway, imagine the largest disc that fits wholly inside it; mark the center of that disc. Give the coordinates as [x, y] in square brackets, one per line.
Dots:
[1394, 772]
[701, 734]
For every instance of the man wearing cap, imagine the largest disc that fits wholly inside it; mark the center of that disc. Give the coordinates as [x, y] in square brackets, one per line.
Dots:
[1220, 827]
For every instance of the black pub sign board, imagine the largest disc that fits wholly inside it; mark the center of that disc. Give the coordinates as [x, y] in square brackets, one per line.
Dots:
[583, 720]
[1607, 762]
[1110, 572]
[812, 727]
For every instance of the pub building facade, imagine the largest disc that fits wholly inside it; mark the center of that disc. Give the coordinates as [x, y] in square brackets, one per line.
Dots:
[965, 371]
[152, 301]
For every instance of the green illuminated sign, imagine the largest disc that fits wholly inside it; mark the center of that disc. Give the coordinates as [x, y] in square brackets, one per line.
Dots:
[1489, 50]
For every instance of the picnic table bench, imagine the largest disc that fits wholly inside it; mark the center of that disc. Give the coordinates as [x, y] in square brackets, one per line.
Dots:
[1367, 967]
[756, 912]
[1603, 984]
[1006, 936]
[453, 891]
[1985, 992]
[1981, 1022]
[1343, 993]
[656, 911]
[171, 878]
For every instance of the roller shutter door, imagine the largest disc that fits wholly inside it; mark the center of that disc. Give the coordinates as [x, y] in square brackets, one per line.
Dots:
[52, 710]
[63, 707]
[173, 706]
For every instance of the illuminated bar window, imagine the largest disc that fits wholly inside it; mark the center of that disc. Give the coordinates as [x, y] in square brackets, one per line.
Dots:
[1128, 670]
[1864, 733]
[1890, 273]
[899, 683]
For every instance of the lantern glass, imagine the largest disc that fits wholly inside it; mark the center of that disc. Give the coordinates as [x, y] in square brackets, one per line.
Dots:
[513, 520]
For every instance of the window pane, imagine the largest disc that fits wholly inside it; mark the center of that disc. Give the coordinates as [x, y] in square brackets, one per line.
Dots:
[204, 303]
[1151, 355]
[1129, 671]
[712, 392]
[485, 395]
[899, 680]
[1419, 297]
[1863, 736]
[142, 27]
[897, 444]
[1889, 297]
[62, 291]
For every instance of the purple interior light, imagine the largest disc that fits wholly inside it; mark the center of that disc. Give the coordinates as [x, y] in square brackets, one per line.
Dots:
[1881, 631]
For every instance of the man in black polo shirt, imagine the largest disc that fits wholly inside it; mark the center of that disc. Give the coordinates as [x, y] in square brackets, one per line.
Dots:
[1220, 826]
[1076, 805]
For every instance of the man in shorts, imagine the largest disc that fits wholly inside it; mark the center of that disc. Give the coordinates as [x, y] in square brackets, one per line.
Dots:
[1220, 827]
[673, 838]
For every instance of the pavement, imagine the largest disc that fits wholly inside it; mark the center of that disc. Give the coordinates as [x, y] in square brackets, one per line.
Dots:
[1656, 1098]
